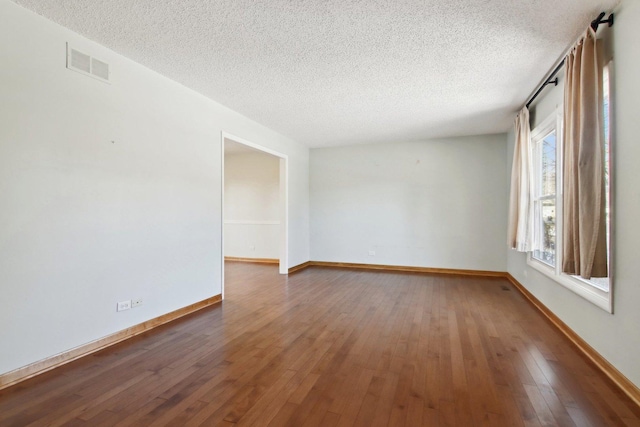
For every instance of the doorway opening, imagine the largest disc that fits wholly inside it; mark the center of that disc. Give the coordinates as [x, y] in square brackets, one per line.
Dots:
[254, 204]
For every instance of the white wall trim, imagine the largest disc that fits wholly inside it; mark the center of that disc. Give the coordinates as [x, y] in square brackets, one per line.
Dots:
[251, 144]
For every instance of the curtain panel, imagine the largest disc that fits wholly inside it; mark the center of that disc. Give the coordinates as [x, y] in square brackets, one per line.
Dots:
[584, 224]
[520, 232]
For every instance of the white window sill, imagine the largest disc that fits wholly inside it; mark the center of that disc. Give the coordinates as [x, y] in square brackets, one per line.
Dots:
[592, 294]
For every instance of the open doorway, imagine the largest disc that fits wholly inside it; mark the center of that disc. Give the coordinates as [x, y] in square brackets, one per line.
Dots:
[254, 204]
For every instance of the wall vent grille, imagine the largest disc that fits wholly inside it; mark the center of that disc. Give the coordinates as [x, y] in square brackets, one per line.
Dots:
[87, 65]
[100, 69]
[80, 61]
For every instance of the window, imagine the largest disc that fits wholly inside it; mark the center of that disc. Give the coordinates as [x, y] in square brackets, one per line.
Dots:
[546, 257]
[545, 198]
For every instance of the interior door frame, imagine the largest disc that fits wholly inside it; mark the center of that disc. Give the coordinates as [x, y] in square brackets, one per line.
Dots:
[283, 204]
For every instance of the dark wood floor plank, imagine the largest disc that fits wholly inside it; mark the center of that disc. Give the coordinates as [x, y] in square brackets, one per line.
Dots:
[355, 400]
[272, 401]
[330, 347]
[284, 415]
[68, 412]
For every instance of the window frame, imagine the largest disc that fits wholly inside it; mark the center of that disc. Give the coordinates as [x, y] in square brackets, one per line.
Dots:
[587, 290]
[538, 135]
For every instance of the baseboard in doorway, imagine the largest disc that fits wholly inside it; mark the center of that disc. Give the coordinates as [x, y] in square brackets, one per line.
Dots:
[13, 377]
[300, 267]
[253, 260]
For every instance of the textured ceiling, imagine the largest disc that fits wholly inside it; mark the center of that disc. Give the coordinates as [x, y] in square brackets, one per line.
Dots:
[334, 72]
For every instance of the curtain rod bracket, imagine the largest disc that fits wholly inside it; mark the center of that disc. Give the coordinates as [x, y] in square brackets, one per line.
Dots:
[551, 82]
[596, 22]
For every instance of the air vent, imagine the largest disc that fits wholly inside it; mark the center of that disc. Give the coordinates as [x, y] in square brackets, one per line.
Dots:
[80, 61]
[87, 65]
[100, 69]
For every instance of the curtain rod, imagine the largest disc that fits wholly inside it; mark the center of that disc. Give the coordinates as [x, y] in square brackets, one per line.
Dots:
[550, 80]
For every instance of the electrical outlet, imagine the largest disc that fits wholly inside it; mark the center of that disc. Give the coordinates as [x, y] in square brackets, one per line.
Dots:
[124, 305]
[372, 253]
[136, 302]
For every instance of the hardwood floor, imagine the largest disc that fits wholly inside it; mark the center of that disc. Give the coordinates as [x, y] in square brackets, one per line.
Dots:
[330, 347]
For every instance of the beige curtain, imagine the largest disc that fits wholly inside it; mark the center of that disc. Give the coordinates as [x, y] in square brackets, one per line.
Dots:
[520, 232]
[584, 232]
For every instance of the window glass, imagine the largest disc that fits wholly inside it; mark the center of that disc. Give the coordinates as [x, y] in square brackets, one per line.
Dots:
[545, 204]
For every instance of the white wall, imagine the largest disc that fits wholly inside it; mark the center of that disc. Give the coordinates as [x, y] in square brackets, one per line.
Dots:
[251, 205]
[617, 336]
[437, 203]
[85, 222]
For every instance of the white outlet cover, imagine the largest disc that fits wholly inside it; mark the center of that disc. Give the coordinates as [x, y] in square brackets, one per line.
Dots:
[124, 305]
[372, 253]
